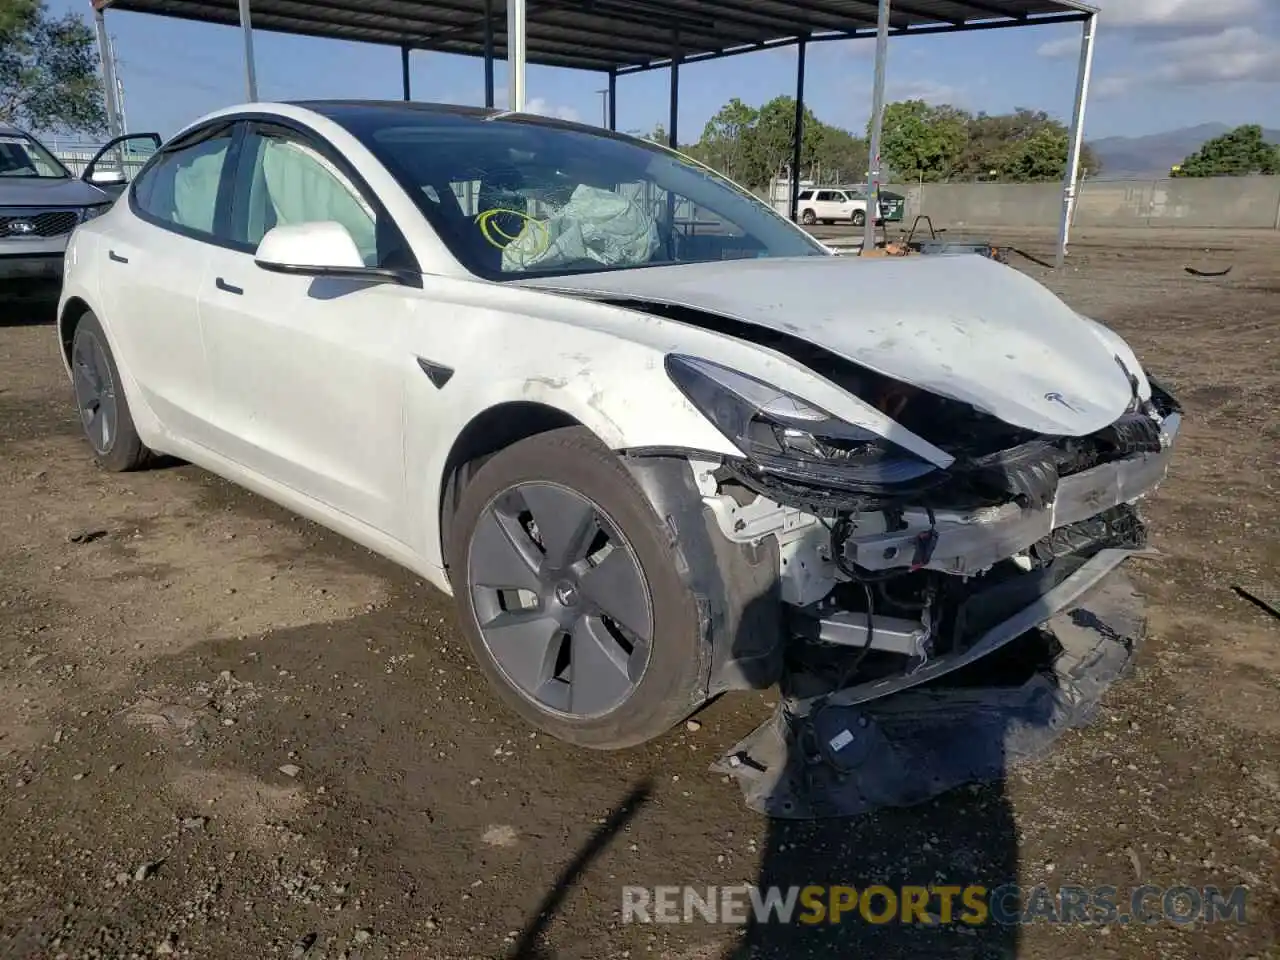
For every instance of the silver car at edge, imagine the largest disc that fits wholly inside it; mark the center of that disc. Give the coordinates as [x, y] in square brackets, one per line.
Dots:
[42, 201]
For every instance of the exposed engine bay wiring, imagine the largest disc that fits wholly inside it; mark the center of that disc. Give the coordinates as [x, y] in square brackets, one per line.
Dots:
[840, 531]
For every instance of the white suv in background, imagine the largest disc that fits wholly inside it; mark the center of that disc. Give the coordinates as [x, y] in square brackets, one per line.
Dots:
[833, 204]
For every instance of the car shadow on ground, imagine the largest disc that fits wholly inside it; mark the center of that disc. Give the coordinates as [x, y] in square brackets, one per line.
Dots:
[848, 878]
[28, 310]
[960, 841]
[962, 847]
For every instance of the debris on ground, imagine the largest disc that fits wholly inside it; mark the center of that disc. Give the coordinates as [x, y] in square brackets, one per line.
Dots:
[1268, 601]
[86, 536]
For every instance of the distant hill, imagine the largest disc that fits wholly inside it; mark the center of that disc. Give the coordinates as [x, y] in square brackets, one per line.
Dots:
[1153, 155]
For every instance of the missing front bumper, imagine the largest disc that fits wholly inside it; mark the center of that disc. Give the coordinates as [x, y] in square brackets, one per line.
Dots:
[1005, 699]
[970, 541]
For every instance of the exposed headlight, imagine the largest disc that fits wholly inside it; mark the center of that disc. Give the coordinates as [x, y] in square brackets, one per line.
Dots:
[789, 437]
[89, 213]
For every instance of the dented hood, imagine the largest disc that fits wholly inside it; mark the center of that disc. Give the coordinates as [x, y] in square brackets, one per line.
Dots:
[963, 327]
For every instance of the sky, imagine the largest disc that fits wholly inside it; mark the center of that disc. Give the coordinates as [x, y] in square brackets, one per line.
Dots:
[1159, 65]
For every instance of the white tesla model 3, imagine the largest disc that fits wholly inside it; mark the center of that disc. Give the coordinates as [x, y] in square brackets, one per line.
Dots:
[649, 433]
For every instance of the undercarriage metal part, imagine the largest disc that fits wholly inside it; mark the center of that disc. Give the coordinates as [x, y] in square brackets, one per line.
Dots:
[847, 759]
[848, 628]
[1060, 597]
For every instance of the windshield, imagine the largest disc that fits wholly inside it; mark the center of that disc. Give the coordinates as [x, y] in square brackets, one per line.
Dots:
[21, 156]
[516, 197]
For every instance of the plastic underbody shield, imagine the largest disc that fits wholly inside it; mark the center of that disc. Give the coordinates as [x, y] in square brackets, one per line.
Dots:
[821, 758]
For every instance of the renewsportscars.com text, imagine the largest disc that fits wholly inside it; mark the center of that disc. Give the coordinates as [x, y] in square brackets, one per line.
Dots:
[972, 904]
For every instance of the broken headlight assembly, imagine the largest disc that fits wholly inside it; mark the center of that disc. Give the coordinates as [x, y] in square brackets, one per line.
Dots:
[782, 435]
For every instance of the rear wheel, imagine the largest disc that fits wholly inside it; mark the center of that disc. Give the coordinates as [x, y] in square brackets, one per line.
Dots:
[859, 218]
[567, 587]
[100, 400]
[808, 217]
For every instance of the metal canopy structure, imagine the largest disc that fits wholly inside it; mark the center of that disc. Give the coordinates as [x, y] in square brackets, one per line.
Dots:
[620, 37]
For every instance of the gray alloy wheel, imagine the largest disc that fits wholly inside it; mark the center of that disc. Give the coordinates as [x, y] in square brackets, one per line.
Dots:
[95, 390]
[561, 600]
[859, 218]
[101, 401]
[808, 217]
[572, 593]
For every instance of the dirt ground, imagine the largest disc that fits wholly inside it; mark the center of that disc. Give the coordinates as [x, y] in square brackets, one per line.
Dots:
[226, 733]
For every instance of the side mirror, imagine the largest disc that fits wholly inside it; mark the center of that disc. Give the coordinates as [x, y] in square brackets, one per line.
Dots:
[119, 159]
[107, 178]
[319, 249]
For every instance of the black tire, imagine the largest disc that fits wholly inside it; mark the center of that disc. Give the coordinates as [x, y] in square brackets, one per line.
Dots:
[859, 218]
[808, 217]
[123, 450]
[670, 687]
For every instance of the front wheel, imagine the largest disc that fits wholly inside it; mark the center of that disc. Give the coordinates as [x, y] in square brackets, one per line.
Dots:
[567, 585]
[859, 218]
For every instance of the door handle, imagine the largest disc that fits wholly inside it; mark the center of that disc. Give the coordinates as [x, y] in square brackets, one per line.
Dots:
[116, 257]
[226, 287]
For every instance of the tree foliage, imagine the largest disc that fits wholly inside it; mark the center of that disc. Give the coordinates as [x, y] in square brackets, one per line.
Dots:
[930, 143]
[1241, 152]
[752, 145]
[920, 142]
[48, 70]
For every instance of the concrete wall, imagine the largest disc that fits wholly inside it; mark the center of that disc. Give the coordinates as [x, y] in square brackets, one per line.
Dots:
[1236, 202]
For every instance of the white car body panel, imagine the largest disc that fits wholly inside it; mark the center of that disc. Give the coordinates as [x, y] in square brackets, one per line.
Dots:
[309, 378]
[309, 392]
[155, 318]
[964, 327]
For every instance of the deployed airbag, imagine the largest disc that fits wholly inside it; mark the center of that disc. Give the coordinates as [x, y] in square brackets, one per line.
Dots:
[595, 224]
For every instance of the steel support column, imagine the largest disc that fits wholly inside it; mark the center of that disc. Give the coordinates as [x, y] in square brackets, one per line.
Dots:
[515, 54]
[488, 53]
[108, 61]
[404, 73]
[673, 120]
[797, 137]
[877, 126]
[613, 100]
[250, 68]
[1071, 179]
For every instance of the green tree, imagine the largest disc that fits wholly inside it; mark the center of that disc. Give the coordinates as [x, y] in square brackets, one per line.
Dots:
[841, 157]
[1023, 145]
[753, 145]
[1041, 156]
[658, 134]
[772, 140]
[1239, 153]
[48, 70]
[727, 140]
[921, 142]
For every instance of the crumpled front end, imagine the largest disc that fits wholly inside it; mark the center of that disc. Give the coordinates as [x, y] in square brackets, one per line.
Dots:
[922, 587]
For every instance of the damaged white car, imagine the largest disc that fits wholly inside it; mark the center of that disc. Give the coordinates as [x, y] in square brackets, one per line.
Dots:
[656, 440]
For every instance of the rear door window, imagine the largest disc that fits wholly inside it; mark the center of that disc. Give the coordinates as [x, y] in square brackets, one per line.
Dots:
[180, 188]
